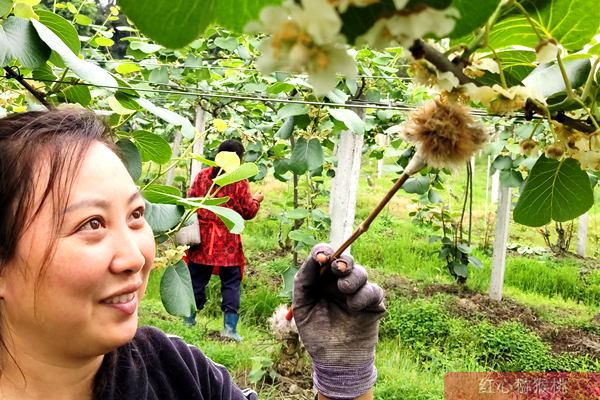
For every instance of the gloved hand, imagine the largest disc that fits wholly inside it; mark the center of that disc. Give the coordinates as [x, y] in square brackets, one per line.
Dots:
[337, 313]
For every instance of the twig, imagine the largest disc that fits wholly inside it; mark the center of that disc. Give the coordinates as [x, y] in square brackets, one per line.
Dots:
[364, 226]
[10, 73]
[415, 165]
[420, 49]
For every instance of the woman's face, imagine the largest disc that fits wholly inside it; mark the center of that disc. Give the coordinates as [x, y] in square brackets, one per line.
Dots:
[86, 301]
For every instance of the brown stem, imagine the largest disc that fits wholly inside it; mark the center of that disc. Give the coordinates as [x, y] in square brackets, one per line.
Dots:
[364, 226]
[420, 49]
[39, 96]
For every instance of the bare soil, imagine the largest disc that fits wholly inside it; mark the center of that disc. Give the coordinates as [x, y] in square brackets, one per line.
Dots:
[475, 306]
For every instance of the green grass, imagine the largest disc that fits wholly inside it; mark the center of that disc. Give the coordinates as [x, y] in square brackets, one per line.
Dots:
[420, 340]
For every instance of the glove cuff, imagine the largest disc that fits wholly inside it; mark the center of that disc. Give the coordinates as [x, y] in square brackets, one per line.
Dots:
[348, 382]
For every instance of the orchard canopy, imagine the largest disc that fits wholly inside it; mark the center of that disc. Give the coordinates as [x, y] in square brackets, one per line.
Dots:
[307, 70]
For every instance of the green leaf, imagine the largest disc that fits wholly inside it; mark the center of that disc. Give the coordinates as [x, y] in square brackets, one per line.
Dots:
[175, 23]
[547, 79]
[161, 194]
[127, 68]
[159, 75]
[5, 7]
[417, 184]
[286, 129]
[297, 213]
[349, 118]
[23, 43]
[568, 21]
[473, 14]
[204, 160]
[118, 107]
[131, 157]
[288, 281]
[279, 87]
[517, 64]
[84, 69]
[83, 19]
[197, 202]
[43, 73]
[162, 217]
[64, 30]
[290, 110]
[460, 269]
[71, 7]
[232, 220]
[281, 166]
[303, 236]
[152, 147]
[244, 171]
[475, 261]
[23, 10]
[230, 43]
[228, 161]
[145, 47]
[127, 101]
[434, 197]
[306, 156]
[176, 290]
[502, 162]
[187, 129]
[511, 178]
[78, 94]
[555, 190]
[594, 50]
[102, 41]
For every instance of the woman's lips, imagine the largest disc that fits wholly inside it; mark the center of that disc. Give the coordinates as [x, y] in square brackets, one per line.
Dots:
[126, 303]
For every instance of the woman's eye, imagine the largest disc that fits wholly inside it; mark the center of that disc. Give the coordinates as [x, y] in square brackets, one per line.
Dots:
[137, 214]
[91, 225]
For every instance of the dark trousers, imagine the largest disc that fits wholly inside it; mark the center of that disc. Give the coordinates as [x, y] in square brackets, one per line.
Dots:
[231, 280]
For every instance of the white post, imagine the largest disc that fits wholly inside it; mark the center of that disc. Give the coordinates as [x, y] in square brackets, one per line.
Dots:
[342, 203]
[487, 195]
[582, 231]
[198, 147]
[495, 186]
[500, 241]
[175, 147]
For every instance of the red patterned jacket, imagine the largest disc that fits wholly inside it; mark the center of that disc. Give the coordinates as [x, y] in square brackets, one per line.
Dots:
[220, 248]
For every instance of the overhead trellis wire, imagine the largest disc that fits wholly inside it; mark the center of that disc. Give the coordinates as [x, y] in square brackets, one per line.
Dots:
[144, 64]
[200, 94]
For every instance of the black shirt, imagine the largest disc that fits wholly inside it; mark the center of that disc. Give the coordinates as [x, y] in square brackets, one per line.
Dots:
[154, 366]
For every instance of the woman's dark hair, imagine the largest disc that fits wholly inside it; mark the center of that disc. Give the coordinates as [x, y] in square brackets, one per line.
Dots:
[40, 152]
[232, 145]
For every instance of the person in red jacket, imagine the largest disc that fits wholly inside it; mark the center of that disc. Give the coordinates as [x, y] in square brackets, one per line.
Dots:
[221, 252]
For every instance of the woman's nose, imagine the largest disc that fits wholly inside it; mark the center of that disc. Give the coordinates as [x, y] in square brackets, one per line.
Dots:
[128, 255]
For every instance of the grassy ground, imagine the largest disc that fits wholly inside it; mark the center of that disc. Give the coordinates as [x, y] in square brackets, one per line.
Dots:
[549, 319]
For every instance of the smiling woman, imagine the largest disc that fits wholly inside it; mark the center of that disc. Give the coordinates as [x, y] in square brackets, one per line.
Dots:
[75, 255]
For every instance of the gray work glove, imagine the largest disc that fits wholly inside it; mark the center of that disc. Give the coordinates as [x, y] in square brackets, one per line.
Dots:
[337, 313]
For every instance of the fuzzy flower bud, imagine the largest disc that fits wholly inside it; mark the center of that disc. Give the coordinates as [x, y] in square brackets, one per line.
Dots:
[555, 151]
[528, 146]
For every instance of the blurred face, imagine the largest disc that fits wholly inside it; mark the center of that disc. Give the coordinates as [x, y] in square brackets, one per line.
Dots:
[86, 301]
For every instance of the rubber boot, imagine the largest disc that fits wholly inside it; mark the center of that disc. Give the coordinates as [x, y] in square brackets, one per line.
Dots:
[191, 320]
[230, 321]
